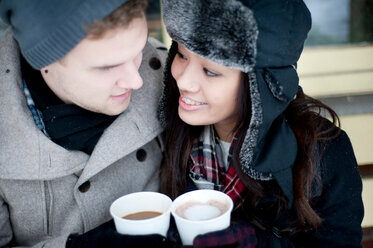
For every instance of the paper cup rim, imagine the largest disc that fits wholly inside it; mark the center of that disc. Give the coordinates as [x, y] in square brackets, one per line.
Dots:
[143, 220]
[229, 210]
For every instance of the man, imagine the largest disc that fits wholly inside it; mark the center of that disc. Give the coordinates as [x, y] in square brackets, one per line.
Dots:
[79, 88]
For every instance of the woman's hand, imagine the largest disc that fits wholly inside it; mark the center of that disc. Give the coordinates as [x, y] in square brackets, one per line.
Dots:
[238, 234]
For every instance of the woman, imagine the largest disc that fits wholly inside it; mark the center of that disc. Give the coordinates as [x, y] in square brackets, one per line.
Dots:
[237, 121]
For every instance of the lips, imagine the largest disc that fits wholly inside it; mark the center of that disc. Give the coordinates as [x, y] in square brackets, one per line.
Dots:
[190, 101]
[189, 104]
[122, 97]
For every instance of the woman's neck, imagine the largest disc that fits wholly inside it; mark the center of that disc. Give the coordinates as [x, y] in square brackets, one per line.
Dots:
[225, 132]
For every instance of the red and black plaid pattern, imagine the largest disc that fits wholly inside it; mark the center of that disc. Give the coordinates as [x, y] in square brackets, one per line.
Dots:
[207, 172]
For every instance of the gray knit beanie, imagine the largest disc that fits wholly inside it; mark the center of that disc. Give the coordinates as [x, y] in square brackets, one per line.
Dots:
[47, 30]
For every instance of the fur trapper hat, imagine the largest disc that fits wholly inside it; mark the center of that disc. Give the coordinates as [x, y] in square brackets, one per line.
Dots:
[263, 38]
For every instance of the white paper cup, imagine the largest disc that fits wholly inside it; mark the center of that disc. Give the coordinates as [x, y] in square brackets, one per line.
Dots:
[202, 218]
[138, 202]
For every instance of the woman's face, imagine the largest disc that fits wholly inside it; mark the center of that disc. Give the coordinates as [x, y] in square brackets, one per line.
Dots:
[208, 91]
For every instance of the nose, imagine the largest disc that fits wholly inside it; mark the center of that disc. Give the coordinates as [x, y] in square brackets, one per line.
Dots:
[130, 77]
[187, 79]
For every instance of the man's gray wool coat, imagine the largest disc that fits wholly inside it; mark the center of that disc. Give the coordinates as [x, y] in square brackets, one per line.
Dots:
[47, 192]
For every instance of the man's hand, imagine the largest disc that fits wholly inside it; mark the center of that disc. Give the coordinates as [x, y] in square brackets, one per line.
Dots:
[105, 236]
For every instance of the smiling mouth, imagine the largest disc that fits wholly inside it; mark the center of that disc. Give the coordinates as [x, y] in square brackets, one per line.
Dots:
[122, 97]
[192, 102]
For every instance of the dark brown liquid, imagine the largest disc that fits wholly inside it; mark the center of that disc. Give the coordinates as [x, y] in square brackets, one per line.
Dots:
[142, 215]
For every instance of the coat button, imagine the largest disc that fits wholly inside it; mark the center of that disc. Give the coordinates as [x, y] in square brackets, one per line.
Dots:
[141, 155]
[155, 63]
[84, 187]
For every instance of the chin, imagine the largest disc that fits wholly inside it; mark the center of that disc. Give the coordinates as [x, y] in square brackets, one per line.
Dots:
[115, 110]
[192, 121]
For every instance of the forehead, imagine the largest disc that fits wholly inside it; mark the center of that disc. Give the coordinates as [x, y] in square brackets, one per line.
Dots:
[115, 46]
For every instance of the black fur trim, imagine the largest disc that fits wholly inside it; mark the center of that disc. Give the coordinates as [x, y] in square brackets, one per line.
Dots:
[252, 134]
[222, 31]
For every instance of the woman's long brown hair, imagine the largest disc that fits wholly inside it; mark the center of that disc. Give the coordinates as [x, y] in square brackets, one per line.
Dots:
[305, 116]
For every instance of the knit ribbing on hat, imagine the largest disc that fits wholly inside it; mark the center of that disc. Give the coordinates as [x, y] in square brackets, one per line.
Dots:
[52, 36]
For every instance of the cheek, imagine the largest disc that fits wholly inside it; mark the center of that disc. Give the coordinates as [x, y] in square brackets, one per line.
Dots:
[89, 85]
[176, 69]
[232, 99]
[226, 96]
[138, 60]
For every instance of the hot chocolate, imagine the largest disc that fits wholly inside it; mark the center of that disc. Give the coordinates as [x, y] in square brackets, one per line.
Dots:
[194, 210]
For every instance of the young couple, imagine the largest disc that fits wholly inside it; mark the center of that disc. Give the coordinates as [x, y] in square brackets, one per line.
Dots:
[74, 136]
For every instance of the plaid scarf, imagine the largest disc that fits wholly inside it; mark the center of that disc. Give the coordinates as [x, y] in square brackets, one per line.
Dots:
[36, 114]
[207, 172]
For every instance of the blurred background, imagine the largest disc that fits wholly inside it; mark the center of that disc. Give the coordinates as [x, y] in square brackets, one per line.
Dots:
[335, 67]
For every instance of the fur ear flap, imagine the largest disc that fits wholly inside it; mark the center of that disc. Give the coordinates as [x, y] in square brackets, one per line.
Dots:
[282, 82]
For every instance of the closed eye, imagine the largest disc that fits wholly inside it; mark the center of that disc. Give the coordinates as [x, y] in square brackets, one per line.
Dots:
[107, 68]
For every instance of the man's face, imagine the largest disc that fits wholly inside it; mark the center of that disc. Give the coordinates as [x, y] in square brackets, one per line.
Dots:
[100, 74]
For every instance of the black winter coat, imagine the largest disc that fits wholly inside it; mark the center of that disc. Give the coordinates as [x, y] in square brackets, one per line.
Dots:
[338, 202]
